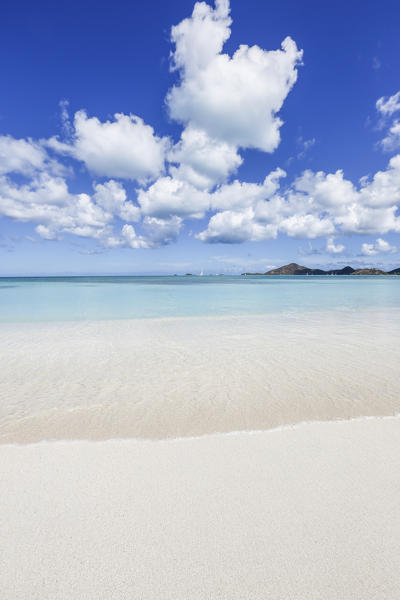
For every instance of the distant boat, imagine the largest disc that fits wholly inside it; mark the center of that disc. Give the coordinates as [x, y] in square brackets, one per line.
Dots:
[201, 273]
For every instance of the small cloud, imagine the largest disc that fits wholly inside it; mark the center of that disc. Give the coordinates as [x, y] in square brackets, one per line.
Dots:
[332, 248]
[89, 252]
[387, 106]
[380, 246]
[305, 145]
[245, 262]
[310, 250]
[376, 63]
[46, 232]
[392, 140]
[65, 120]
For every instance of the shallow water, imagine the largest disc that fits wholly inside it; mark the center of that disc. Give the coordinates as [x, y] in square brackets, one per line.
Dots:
[176, 377]
[108, 298]
[102, 357]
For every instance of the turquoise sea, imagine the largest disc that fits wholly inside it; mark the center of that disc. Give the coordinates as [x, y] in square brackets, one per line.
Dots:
[29, 299]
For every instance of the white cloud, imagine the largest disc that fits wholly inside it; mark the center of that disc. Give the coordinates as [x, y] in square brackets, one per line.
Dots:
[238, 195]
[203, 161]
[157, 232]
[315, 205]
[65, 120]
[112, 197]
[25, 157]
[305, 146]
[201, 37]
[169, 197]
[324, 191]
[130, 238]
[230, 227]
[380, 246]
[392, 140]
[234, 99]
[369, 209]
[124, 148]
[368, 221]
[160, 232]
[306, 226]
[47, 201]
[45, 232]
[383, 191]
[332, 248]
[387, 106]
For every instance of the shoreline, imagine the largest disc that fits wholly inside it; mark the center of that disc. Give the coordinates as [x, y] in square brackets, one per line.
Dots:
[167, 378]
[211, 435]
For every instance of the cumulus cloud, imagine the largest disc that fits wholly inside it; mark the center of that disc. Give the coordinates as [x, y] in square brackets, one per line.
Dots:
[124, 148]
[247, 211]
[47, 201]
[157, 232]
[370, 208]
[323, 191]
[169, 197]
[160, 232]
[234, 99]
[230, 227]
[380, 246]
[25, 157]
[240, 195]
[129, 238]
[306, 226]
[315, 205]
[384, 188]
[112, 197]
[203, 161]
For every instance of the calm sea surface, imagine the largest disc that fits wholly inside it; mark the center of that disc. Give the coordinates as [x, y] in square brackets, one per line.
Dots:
[93, 298]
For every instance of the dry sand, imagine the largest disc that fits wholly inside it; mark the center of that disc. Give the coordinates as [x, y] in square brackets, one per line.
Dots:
[304, 513]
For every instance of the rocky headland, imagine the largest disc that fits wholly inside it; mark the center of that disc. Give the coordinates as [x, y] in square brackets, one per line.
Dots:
[295, 269]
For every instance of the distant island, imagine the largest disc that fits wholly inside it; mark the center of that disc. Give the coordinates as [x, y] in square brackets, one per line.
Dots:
[295, 269]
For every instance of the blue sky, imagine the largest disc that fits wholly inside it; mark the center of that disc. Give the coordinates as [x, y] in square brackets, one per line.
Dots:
[128, 147]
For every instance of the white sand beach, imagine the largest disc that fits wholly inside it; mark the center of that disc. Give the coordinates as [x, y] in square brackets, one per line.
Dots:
[310, 512]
